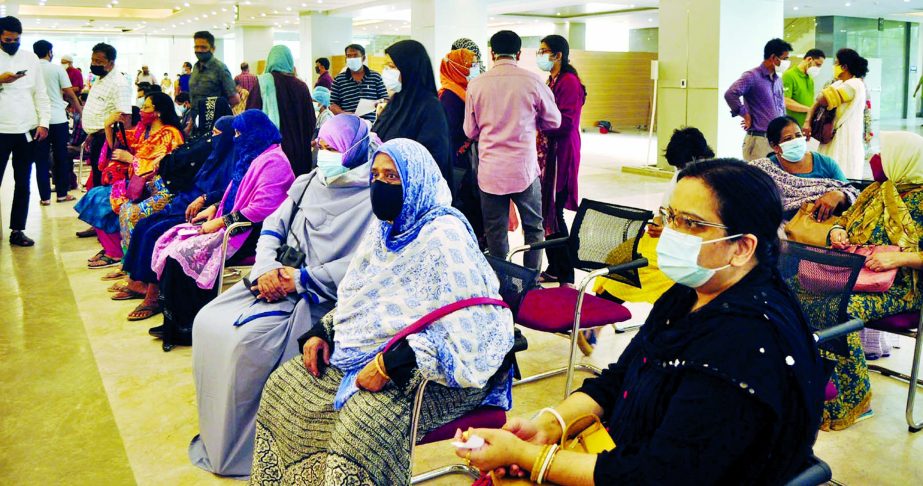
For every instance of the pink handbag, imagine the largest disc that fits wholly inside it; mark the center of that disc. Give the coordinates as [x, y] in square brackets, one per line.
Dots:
[820, 278]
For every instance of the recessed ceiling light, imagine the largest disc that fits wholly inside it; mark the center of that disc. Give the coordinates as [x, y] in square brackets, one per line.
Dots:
[650, 19]
[795, 7]
[262, 14]
[114, 2]
[186, 4]
[847, 4]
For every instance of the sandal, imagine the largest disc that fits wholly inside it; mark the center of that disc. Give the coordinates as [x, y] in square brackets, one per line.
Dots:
[119, 287]
[144, 311]
[127, 295]
[116, 275]
[95, 257]
[66, 198]
[103, 262]
[546, 277]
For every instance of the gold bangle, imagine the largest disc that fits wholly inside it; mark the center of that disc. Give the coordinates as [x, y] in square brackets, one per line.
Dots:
[380, 366]
[546, 465]
[537, 465]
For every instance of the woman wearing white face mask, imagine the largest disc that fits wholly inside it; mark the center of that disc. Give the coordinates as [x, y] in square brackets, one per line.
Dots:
[240, 337]
[414, 111]
[723, 382]
[803, 176]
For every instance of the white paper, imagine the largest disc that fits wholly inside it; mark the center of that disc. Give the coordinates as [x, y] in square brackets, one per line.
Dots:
[365, 107]
[473, 442]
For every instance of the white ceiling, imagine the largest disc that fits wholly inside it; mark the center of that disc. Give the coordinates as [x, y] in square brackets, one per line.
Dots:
[182, 17]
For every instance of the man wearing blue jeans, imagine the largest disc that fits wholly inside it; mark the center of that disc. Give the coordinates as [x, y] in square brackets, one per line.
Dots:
[58, 85]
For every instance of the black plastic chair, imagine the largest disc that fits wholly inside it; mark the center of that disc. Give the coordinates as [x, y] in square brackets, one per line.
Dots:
[603, 242]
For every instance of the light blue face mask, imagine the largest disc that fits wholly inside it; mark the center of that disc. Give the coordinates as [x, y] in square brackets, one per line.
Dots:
[330, 163]
[474, 71]
[678, 258]
[544, 61]
[794, 149]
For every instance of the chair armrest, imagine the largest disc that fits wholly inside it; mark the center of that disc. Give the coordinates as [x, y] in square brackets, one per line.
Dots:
[602, 272]
[838, 330]
[227, 235]
[537, 246]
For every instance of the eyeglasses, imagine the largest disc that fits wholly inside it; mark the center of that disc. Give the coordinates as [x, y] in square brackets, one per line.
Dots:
[678, 220]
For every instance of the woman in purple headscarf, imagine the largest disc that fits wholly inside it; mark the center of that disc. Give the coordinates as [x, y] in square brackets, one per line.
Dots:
[187, 258]
[241, 336]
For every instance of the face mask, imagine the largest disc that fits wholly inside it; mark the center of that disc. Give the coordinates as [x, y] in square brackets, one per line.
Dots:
[317, 70]
[392, 79]
[98, 70]
[813, 71]
[678, 258]
[387, 200]
[330, 164]
[203, 56]
[544, 62]
[837, 71]
[473, 72]
[148, 117]
[783, 66]
[354, 63]
[10, 47]
[794, 150]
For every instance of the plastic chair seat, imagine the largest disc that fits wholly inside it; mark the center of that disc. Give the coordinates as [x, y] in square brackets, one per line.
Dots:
[898, 323]
[479, 418]
[552, 310]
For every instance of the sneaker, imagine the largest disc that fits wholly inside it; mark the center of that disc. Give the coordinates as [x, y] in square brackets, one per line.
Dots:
[18, 238]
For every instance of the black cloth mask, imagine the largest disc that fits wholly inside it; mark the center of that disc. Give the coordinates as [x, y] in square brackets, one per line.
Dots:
[387, 200]
[203, 56]
[10, 47]
[98, 70]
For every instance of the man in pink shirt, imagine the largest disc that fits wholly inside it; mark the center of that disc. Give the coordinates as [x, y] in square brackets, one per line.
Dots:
[504, 109]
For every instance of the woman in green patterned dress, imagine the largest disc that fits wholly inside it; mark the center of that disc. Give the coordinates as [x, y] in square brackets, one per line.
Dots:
[888, 212]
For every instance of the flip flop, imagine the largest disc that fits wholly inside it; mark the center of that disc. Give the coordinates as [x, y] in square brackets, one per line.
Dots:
[127, 295]
[119, 287]
[96, 256]
[116, 275]
[66, 198]
[144, 311]
[103, 262]
[87, 233]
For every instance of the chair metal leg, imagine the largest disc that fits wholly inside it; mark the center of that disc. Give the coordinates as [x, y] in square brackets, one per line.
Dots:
[581, 292]
[415, 422]
[445, 471]
[558, 371]
[913, 380]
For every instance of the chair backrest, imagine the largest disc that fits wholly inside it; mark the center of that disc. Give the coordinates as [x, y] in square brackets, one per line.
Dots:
[515, 281]
[607, 234]
[822, 279]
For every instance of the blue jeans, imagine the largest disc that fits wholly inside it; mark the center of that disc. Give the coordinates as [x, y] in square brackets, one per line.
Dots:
[496, 210]
[54, 144]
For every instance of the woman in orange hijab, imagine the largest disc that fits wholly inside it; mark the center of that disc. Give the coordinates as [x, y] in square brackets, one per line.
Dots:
[457, 68]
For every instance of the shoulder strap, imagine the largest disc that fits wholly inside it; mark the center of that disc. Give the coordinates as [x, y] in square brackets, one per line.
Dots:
[291, 217]
[439, 313]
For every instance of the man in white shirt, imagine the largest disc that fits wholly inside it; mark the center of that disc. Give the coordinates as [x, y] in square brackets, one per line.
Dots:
[59, 88]
[24, 115]
[111, 93]
[145, 76]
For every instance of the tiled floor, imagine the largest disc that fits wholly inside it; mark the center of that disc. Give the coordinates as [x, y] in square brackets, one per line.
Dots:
[88, 398]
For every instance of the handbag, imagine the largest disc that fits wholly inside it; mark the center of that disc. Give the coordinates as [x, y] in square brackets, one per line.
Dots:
[135, 190]
[822, 124]
[821, 279]
[804, 228]
[178, 169]
[584, 434]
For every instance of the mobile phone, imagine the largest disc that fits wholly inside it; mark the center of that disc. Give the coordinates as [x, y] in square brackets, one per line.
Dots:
[199, 223]
[21, 73]
[250, 285]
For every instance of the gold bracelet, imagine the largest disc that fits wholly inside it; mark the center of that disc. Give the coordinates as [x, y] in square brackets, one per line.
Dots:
[546, 465]
[537, 465]
[380, 366]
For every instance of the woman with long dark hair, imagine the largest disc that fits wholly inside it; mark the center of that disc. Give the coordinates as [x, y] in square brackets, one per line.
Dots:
[722, 385]
[414, 111]
[559, 152]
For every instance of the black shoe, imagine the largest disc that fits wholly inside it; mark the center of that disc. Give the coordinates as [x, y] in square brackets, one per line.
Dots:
[87, 233]
[19, 238]
[167, 347]
[156, 332]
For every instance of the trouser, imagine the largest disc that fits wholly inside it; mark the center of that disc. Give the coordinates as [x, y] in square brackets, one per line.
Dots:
[112, 243]
[23, 152]
[559, 264]
[756, 147]
[55, 144]
[96, 147]
[496, 210]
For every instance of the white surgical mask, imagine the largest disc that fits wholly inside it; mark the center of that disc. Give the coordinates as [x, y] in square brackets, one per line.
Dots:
[544, 61]
[474, 71]
[813, 71]
[783, 66]
[330, 164]
[392, 79]
[794, 149]
[354, 63]
[678, 258]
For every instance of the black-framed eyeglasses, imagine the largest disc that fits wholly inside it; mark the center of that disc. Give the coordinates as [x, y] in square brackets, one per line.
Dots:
[678, 220]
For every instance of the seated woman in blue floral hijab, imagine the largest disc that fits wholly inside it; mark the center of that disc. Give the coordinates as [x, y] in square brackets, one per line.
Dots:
[353, 417]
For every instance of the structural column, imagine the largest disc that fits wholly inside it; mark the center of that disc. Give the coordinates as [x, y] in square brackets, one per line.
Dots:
[252, 45]
[438, 23]
[321, 36]
[704, 46]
